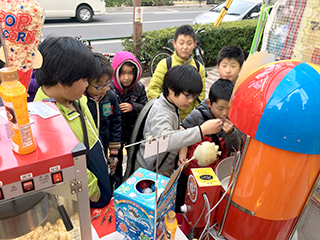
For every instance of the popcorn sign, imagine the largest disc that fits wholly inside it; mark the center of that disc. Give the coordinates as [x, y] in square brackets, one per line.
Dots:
[14, 27]
[22, 22]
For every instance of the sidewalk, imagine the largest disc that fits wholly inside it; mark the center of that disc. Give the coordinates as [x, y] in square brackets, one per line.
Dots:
[211, 78]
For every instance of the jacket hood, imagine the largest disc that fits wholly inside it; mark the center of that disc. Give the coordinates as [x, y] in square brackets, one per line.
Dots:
[206, 112]
[118, 60]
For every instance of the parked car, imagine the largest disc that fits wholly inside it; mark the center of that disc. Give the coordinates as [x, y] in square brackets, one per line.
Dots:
[238, 10]
[83, 10]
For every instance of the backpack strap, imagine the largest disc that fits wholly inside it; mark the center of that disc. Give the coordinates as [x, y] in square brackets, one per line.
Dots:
[198, 68]
[169, 62]
[197, 64]
[84, 129]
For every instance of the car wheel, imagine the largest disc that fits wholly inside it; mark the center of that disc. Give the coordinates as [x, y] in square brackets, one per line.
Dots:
[84, 14]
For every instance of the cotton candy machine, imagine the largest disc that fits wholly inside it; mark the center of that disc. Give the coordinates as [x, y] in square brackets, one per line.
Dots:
[44, 193]
[275, 174]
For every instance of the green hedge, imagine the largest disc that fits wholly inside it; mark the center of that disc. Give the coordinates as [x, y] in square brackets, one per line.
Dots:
[118, 3]
[238, 33]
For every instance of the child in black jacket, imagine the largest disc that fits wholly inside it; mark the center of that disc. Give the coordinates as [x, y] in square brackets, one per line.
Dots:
[104, 107]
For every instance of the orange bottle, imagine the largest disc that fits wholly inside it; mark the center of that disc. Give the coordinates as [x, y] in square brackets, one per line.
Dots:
[171, 224]
[14, 97]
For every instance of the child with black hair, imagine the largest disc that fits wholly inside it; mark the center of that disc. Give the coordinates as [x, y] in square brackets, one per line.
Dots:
[228, 138]
[181, 85]
[104, 107]
[130, 92]
[229, 62]
[67, 64]
[184, 42]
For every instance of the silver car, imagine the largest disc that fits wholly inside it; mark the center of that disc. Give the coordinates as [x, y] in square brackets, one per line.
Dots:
[238, 10]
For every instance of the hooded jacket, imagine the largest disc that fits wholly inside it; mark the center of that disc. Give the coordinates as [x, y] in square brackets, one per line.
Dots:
[135, 94]
[155, 86]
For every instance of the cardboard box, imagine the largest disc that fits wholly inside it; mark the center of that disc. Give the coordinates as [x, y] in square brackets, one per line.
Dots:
[135, 210]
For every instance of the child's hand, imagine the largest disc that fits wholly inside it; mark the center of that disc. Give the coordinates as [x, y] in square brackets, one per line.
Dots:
[227, 126]
[125, 107]
[182, 161]
[182, 155]
[113, 165]
[211, 126]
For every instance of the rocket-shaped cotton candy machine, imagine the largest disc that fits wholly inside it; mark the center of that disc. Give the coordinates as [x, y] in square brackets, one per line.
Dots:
[277, 107]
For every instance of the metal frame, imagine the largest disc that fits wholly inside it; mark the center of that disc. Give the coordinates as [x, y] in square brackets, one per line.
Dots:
[234, 181]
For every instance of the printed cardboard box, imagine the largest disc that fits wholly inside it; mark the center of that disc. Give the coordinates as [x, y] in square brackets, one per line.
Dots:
[135, 207]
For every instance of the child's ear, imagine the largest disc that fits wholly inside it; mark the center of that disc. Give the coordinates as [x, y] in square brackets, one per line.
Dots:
[174, 44]
[61, 85]
[208, 103]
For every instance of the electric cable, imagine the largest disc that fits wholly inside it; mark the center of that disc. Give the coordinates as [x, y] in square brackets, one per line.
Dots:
[214, 207]
[207, 218]
[192, 229]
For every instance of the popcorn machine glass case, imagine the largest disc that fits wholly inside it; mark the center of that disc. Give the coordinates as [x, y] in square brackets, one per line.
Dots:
[44, 193]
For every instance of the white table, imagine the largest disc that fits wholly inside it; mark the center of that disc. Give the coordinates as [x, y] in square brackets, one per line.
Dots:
[119, 236]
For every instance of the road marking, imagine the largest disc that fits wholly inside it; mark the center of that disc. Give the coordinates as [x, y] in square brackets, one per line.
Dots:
[168, 11]
[105, 42]
[111, 24]
[171, 10]
[158, 13]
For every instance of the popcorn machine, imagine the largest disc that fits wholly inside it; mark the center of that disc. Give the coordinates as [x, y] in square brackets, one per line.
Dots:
[44, 193]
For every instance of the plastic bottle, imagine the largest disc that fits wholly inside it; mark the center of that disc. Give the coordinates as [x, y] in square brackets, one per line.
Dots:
[14, 97]
[171, 224]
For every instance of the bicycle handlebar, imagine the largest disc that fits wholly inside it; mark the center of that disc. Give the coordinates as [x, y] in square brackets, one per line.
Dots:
[200, 30]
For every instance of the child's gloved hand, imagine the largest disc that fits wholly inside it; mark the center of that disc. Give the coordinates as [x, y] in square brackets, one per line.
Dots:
[227, 126]
[125, 107]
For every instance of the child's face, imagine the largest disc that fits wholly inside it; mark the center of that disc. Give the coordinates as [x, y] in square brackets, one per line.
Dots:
[229, 69]
[182, 101]
[99, 87]
[219, 109]
[76, 90]
[126, 75]
[184, 46]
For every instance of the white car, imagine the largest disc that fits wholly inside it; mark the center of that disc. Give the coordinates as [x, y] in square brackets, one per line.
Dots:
[238, 10]
[83, 10]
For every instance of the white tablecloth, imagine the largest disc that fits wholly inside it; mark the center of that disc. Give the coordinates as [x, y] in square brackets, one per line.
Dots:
[118, 236]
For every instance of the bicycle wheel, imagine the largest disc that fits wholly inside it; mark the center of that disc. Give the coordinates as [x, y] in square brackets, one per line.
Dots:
[156, 59]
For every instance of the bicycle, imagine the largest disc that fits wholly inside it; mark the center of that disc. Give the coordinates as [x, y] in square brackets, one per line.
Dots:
[87, 43]
[167, 52]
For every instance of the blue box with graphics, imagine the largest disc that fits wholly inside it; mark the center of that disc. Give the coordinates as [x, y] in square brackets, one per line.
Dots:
[134, 203]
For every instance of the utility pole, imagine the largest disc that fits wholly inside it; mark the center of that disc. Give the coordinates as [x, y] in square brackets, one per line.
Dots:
[137, 26]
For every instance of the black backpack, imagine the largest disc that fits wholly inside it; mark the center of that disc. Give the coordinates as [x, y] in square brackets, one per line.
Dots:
[137, 135]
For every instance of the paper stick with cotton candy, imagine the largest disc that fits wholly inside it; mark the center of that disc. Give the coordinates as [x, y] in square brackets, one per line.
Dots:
[21, 22]
[206, 153]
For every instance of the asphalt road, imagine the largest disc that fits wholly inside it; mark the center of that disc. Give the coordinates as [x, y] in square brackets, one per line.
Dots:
[118, 22]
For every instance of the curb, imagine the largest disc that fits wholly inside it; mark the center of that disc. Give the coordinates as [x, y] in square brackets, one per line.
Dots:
[175, 5]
